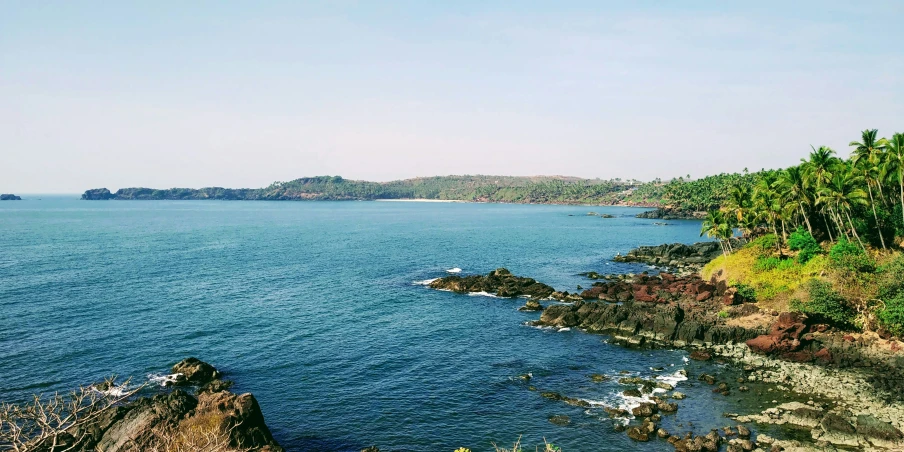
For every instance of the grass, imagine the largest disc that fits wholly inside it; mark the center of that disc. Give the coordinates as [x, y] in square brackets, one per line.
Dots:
[775, 281]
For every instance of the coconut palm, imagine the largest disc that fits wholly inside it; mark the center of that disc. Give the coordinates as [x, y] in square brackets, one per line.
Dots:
[894, 163]
[866, 159]
[842, 194]
[715, 225]
[791, 185]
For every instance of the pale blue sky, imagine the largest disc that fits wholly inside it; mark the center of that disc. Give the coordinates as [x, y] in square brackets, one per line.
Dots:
[238, 94]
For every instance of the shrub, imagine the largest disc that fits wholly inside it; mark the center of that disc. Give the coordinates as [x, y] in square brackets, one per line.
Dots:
[747, 293]
[723, 314]
[825, 304]
[804, 243]
[764, 243]
[892, 315]
[890, 279]
[764, 264]
[847, 255]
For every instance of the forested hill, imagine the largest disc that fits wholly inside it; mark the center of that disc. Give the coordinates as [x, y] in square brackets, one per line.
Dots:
[539, 189]
[680, 196]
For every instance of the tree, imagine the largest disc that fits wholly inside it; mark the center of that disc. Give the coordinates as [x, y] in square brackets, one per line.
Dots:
[791, 186]
[716, 225]
[49, 424]
[894, 163]
[842, 193]
[866, 158]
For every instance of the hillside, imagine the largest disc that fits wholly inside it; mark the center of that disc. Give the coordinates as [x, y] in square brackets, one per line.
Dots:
[536, 189]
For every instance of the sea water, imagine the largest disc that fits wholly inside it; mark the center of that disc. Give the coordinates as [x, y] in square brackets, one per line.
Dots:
[319, 309]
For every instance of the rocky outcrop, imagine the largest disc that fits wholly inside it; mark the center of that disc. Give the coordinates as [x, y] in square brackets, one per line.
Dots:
[194, 371]
[499, 282]
[677, 254]
[639, 323]
[9, 197]
[663, 288]
[97, 194]
[145, 423]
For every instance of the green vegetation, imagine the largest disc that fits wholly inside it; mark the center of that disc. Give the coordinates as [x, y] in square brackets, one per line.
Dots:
[841, 220]
[541, 189]
[825, 303]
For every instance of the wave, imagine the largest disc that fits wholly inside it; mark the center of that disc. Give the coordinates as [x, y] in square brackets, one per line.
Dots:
[113, 391]
[674, 378]
[164, 379]
[425, 282]
[454, 270]
[483, 294]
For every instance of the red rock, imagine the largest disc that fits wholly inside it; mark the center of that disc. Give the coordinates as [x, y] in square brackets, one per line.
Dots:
[667, 277]
[823, 355]
[848, 338]
[642, 293]
[701, 355]
[798, 357]
[703, 296]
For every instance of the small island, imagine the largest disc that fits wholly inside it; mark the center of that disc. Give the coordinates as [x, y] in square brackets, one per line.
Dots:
[9, 197]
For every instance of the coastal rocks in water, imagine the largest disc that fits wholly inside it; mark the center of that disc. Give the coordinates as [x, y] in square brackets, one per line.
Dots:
[569, 400]
[599, 378]
[9, 197]
[499, 282]
[638, 434]
[531, 305]
[662, 288]
[560, 420]
[150, 423]
[194, 371]
[676, 254]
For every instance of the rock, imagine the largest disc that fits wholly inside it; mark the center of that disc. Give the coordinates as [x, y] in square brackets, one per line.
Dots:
[667, 407]
[743, 432]
[700, 355]
[708, 379]
[638, 434]
[618, 427]
[878, 432]
[9, 197]
[662, 433]
[195, 371]
[560, 420]
[216, 386]
[644, 410]
[784, 335]
[599, 378]
[678, 395]
[531, 305]
[371, 449]
[500, 282]
[631, 393]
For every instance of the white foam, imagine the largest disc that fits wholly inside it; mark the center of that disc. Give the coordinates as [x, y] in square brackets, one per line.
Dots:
[562, 330]
[483, 294]
[454, 270]
[674, 378]
[115, 391]
[164, 380]
[425, 282]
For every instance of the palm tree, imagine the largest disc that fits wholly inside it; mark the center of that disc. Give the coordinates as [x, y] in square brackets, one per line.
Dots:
[791, 185]
[817, 172]
[842, 193]
[865, 158]
[715, 225]
[768, 205]
[895, 162]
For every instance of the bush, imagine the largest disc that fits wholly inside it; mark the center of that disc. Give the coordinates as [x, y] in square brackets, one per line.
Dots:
[892, 315]
[747, 293]
[764, 243]
[847, 255]
[804, 243]
[889, 277]
[825, 304]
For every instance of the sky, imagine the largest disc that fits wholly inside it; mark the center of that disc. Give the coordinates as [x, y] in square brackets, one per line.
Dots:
[240, 94]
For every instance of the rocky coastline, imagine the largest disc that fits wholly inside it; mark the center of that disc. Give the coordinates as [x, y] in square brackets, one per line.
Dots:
[197, 408]
[860, 376]
[677, 256]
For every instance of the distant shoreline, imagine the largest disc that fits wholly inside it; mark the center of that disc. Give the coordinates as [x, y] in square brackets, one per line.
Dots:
[421, 200]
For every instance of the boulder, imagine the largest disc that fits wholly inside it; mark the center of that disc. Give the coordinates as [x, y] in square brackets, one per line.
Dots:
[194, 371]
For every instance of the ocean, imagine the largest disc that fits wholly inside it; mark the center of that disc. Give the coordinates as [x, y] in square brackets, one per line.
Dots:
[318, 308]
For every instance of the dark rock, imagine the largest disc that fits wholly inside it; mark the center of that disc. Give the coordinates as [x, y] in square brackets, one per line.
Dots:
[701, 355]
[644, 410]
[599, 378]
[531, 305]
[873, 428]
[500, 282]
[631, 393]
[195, 371]
[638, 434]
[560, 420]
[9, 197]
[97, 194]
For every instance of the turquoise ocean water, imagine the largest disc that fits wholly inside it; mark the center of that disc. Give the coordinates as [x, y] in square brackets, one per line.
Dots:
[315, 308]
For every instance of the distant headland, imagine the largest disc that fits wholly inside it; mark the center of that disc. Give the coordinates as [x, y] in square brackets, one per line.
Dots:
[512, 189]
[9, 197]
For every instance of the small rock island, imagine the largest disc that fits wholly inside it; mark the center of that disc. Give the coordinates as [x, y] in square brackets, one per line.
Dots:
[9, 197]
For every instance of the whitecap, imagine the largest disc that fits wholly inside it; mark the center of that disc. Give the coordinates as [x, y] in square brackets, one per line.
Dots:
[425, 282]
[454, 270]
[114, 391]
[562, 330]
[483, 294]
[673, 378]
[165, 379]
